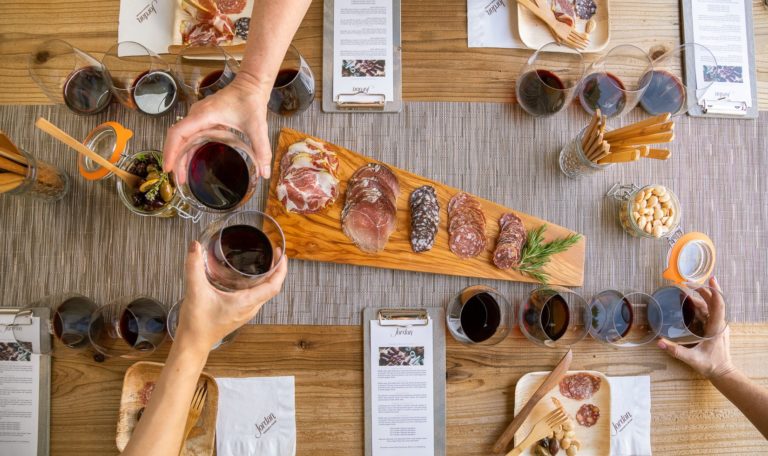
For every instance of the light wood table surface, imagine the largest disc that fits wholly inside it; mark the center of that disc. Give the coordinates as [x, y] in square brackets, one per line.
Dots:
[689, 417]
[437, 64]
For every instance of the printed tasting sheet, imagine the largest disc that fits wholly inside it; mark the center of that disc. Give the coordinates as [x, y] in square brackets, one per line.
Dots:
[363, 50]
[402, 390]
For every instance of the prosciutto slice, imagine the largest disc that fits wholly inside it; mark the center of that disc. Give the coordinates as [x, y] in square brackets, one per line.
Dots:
[370, 209]
[309, 181]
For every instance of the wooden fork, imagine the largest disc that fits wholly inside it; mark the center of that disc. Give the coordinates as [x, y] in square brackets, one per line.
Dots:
[195, 409]
[545, 427]
[563, 32]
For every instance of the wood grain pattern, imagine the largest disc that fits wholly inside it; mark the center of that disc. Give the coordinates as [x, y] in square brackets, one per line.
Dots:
[689, 417]
[319, 237]
[437, 64]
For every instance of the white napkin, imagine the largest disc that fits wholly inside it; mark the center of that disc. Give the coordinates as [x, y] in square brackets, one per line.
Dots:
[147, 22]
[493, 23]
[630, 416]
[257, 416]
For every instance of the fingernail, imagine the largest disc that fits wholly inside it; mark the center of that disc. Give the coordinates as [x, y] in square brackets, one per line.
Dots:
[715, 282]
[661, 344]
[265, 171]
[192, 246]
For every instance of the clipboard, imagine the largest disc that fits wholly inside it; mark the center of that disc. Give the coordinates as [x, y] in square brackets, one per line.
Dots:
[361, 102]
[709, 105]
[23, 317]
[392, 317]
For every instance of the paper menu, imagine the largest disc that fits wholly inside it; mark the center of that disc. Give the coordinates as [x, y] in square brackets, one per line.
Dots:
[363, 57]
[402, 389]
[720, 25]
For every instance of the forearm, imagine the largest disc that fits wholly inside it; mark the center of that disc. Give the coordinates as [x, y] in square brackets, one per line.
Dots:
[747, 396]
[272, 26]
[161, 428]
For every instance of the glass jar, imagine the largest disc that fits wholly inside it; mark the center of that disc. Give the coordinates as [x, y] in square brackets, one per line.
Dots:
[574, 163]
[690, 259]
[651, 212]
[35, 178]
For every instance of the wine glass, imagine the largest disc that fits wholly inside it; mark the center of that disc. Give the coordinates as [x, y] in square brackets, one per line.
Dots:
[554, 317]
[667, 92]
[615, 81]
[173, 323]
[622, 319]
[294, 88]
[242, 250]
[140, 79]
[689, 315]
[129, 327]
[548, 81]
[204, 76]
[479, 315]
[70, 76]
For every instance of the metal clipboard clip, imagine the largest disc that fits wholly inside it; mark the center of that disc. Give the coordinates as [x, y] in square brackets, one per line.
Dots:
[361, 100]
[724, 107]
[391, 317]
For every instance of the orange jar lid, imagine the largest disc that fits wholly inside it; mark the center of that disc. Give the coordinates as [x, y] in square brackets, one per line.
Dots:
[110, 140]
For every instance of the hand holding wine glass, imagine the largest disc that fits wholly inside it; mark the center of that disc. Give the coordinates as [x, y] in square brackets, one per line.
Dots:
[209, 314]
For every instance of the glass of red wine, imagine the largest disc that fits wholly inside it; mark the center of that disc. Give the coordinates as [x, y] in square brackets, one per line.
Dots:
[173, 324]
[554, 317]
[215, 171]
[294, 88]
[479, 315]
[204, 70]
[548, 81]
[666, 90]
[140, 79]
[70, 76]
[130, 327]
[688, 316]
[614, 82]
[621, 319]
[242, 250]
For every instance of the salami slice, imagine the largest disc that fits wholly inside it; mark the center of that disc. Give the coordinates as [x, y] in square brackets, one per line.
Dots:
[509, 245]
[467, 242]
[466, 226]
[579, 386]
[425, 218]
[587, 415]
[231, 6]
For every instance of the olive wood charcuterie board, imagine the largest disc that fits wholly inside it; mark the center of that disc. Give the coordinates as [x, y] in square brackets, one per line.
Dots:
[319, 237]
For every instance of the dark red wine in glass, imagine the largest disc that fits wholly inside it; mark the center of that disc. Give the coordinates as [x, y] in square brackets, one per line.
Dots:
[604, 91]
[480, 317]
[246, 249]
[71, 321]
[155, 92]
[214, 81]
[555, 317]
[665, 92]
[678, 313]
[86, 91]
[293, 92]
[142, 324]
[541, 92]
[218, 176]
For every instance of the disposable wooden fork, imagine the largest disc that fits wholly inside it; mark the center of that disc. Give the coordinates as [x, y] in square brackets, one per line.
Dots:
[545, 427]
[563, 32]
[195, 410]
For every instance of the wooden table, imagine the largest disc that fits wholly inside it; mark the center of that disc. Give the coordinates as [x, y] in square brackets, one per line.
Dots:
[437, 65]
[689, 417]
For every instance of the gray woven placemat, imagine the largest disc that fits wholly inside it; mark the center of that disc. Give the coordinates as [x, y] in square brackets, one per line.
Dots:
[91, 244]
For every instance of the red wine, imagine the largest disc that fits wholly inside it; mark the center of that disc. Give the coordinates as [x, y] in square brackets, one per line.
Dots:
[214, 81]
[293, 92]
[218, 176]
[665, 92]
[155, 92]
[86, 91]
[480, 317]
[541, 92]
[142, 324]
[604, 91]
[71, 321]
[247, 249]
[678, 314]
[612, 315]
[555, 317]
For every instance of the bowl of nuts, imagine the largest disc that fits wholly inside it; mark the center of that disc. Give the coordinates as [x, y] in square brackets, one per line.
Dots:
[651, 212]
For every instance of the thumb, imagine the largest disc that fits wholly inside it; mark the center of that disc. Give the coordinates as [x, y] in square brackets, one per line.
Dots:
[257, 133]
[194, 267]
[676, 351]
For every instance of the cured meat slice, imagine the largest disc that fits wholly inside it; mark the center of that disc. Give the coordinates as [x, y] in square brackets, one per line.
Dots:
[231, 6]
[587, 415]
[308, 178]
[509, 246]
[467, 242]
[370, 207]
[585, 9]
[461, 199]
[579, 386]
[425, 218]
[564, 7]
[466, 226]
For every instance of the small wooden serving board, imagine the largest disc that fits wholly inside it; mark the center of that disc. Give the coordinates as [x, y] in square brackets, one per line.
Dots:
[319, 237]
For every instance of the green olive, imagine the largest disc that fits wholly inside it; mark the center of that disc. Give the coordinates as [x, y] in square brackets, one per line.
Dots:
[153, 175]
[166, 191]
[147, 185]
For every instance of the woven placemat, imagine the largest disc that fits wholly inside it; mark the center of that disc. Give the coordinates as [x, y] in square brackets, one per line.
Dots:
[90, 243]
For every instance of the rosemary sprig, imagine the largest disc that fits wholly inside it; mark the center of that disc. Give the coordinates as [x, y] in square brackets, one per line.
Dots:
[537, 253]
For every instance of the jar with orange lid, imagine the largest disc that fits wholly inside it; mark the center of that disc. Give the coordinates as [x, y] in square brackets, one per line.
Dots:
[652, 211]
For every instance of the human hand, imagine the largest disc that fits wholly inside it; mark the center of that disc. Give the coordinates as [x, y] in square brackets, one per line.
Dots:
[242, 105]
[209, 314]
[711, 358]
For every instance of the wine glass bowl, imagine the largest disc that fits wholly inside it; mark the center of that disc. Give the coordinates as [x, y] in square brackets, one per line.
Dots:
[201, 77]
[689, 315]
[549, 79]
[622, 319]
[554, 317]
[294, 88]
[128, 327]
[479, 315]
